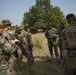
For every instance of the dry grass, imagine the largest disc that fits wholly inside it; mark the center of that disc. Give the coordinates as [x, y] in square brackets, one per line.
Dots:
[43, 64]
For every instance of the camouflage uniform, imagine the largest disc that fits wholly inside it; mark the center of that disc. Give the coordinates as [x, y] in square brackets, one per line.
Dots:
[69, 38]
[9, 46]
[3, 63]
[28, 37]
[20, 34]
[52, 40]
[59, 32]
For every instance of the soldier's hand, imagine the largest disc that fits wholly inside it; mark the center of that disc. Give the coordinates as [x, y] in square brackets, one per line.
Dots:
[16, 40]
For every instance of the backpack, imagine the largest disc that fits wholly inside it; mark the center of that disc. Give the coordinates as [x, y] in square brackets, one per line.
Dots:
[47, 33]
[70, 36]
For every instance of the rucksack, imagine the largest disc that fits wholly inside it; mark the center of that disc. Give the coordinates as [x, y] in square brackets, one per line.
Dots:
[70, 36]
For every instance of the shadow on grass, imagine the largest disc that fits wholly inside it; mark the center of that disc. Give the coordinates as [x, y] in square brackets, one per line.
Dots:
[42, 66]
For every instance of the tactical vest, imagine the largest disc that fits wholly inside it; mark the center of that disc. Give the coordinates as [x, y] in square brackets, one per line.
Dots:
[70, 36]
[52, 32]
[22, 36]
[8, 46]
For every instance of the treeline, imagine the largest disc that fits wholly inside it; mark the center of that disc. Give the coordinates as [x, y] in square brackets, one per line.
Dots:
[41, 14]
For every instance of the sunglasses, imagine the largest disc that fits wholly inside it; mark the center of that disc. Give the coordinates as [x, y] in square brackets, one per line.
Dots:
[9, 25]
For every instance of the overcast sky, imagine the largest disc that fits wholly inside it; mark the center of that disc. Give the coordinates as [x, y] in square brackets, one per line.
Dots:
[14, 9]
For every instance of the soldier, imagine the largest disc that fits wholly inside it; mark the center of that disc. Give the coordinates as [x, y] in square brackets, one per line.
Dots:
[2, 59]
[59, 31]
[18, 52]
[69, 36]
[28, 37]
[20, 34]
[4, 68]
[52, 39]
[9, 45]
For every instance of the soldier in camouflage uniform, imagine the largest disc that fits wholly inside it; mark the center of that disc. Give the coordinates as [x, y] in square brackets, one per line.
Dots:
[2, 58]
[4, 68]
[9, 45]
[20, 34]
[69, 36]
[59, 32]
[28, 37]
[51, 36]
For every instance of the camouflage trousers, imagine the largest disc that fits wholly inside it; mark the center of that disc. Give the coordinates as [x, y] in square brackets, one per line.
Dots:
[70, 63]
[5, 67]
[19, 55]
[52, 45]
[60, 47]
[29, 57]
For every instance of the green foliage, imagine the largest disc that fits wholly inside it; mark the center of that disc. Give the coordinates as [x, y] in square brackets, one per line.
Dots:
[12, 28]
[41, 14]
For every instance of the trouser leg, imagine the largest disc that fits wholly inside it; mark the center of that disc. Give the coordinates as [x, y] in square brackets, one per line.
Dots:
[50, 49]
[29, 57]
[31, 49]
[60, 52]
[56, 50]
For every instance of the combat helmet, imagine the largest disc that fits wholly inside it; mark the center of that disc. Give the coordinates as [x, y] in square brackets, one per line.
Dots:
[1, 24]
[18, 29]
[50, 24]
[6, 22]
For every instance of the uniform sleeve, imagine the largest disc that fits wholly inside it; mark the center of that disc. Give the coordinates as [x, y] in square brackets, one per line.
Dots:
[46, 33]
[5, 35]
[63, 34]
[58, 31]
[29, 38]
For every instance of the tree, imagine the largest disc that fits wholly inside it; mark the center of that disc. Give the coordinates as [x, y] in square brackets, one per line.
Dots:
[41, 14]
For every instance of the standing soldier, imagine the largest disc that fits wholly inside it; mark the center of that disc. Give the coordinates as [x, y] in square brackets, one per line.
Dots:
[28, 37]
[51, 36]
[3, 62]
[69, 36]
[59, 31]
[9, 45]
[20, 35]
